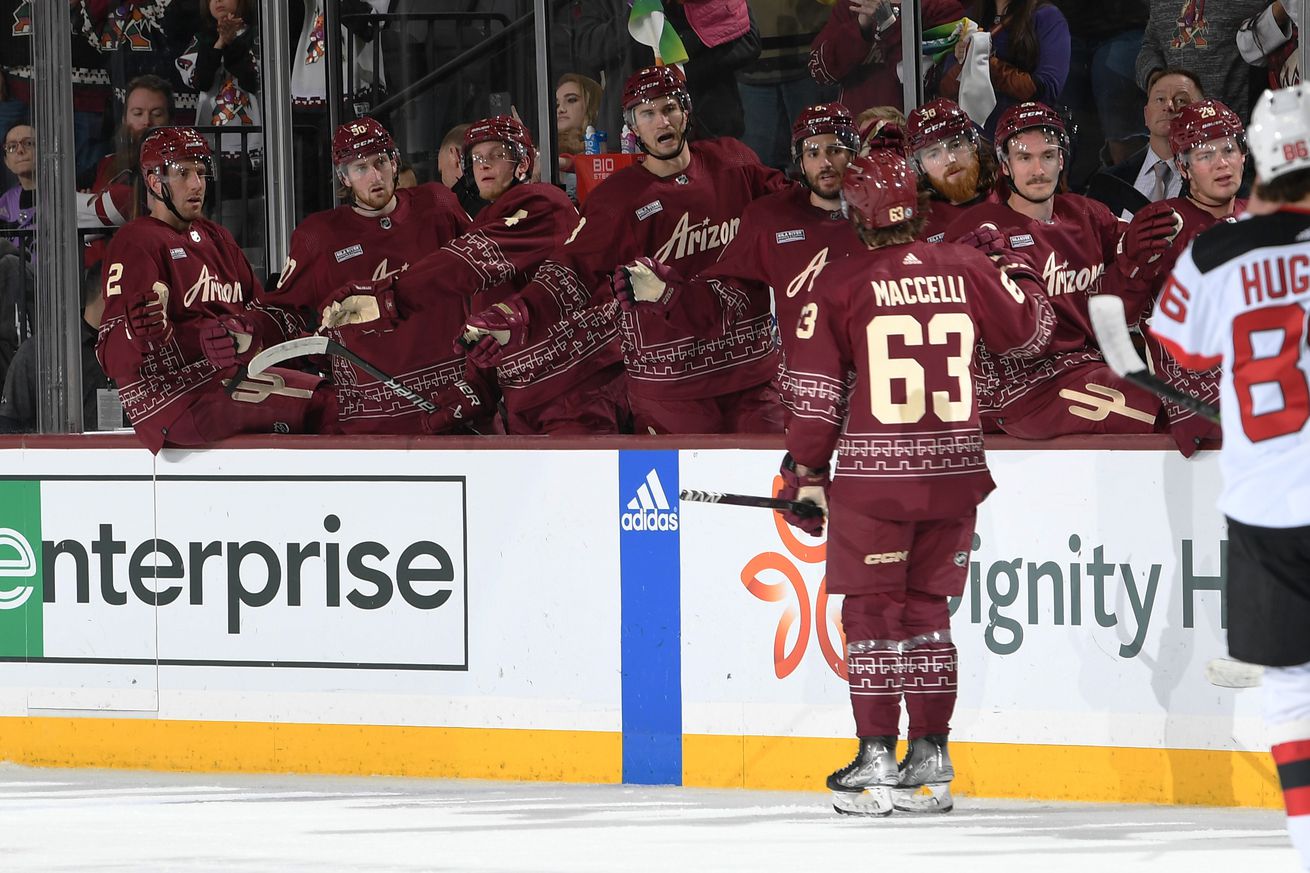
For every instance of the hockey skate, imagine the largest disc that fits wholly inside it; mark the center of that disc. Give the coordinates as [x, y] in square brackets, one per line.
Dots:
[925, 777]
[864, 786]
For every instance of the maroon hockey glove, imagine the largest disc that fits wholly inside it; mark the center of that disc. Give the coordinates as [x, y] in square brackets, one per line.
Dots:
[645, 281]
[805, 484]
[458, 406]
[147, 321]
[490, 331]
[986, 239]
[1153, 229]
[225, 340]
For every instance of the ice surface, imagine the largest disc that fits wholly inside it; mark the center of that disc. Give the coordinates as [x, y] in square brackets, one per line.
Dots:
[108, 820]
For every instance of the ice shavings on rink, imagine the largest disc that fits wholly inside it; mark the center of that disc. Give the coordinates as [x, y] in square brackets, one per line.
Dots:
[81, 820]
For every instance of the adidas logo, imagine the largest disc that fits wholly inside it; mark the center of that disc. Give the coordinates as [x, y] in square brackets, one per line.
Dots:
[650, 509]
[910, 259]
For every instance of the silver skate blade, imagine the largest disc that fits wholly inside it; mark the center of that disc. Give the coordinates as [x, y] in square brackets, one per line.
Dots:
[874, 801]
[1227, 673]
[935, 798]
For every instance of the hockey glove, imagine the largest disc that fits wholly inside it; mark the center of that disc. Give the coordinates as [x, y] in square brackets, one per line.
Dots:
[809, 486]
[358, 303]
[490, 331]
[224, 340]
[148, 326]
[1153, 230]
[645, 281]
[985, 239]
[458, 405]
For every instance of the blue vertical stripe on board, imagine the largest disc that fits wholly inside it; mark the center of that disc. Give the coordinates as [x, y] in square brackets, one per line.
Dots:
[649, 559]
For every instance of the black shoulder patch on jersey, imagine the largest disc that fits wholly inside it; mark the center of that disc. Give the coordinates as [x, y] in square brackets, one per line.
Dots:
[1223, 242]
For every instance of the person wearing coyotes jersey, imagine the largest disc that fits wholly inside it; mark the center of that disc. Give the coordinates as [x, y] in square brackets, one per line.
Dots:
[902, 317]
[1073, 241]
[1207, 142]
[378, 235]
[1239, 297]
[487, 263]
[955, 171]
[681, 207]
[182, 315]
[784, 240]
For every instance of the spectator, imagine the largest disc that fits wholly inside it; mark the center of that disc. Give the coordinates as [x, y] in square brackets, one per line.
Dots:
[721, 38]
[450, 164]
[18, 401]
[1029, 58]
[1101, 90]
[777, 85]
[147, 103]
[591, 37]
[18, 204]
[90, 84]
[1199, 36]
[146, 36]
[1149, 176]
[17, 302]
[405, 175]
[222, 64]
[1270, 40]
[577, 102]
[859, 49]
[309, 114]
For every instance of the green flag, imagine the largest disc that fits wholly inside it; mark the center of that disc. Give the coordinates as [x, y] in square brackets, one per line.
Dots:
[648, 26]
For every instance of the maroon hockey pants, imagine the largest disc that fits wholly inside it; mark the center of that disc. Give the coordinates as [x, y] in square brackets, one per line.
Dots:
[752, 410]
[276, 401]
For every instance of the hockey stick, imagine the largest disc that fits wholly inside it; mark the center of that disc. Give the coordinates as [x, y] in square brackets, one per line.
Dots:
[1227, 673]
[321, 345]
[803, 508]
[1108, 320]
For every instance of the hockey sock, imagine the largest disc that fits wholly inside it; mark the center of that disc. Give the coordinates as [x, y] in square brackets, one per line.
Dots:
[874, 668]
[930, 682]
[1287, 718]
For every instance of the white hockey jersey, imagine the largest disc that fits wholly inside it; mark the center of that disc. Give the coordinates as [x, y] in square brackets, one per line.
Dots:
[1239, 296]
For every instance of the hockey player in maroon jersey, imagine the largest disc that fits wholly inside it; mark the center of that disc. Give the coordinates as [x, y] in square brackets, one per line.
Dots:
[487, 263]
[902, 317]
[373, 238]
[1073, 241]
[784, 240]
[181, 316]
[1209, 152]
[681, 207]
[953, 167]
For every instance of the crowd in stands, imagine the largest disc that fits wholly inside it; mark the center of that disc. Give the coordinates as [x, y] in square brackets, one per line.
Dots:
[1112, 79]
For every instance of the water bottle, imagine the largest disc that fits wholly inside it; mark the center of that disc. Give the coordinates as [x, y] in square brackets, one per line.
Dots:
[629, 139]
[593, 141]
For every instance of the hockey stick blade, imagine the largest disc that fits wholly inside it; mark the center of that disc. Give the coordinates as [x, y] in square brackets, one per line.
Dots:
[803, 508]
[321, 345]
[1227, 673]
[1111, 327]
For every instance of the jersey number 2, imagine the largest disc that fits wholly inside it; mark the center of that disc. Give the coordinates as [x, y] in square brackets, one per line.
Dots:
[1280, 368]
[884, 370]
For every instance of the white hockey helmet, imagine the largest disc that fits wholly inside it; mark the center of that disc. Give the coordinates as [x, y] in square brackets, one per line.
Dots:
[1279, 133]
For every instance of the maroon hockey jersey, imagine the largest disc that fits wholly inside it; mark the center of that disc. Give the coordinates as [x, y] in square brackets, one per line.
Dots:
[782, 244]
[207, 276]
[882, 364]
[339, 245]
[941, 215]
[1072, 254]
[685, 221]
[1139, 301]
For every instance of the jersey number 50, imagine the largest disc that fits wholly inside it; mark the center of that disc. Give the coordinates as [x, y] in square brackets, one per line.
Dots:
[953, 329]
[1258, 367]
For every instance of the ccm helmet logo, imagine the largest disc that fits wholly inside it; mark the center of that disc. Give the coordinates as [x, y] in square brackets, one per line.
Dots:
[21, 564]
[649, 509]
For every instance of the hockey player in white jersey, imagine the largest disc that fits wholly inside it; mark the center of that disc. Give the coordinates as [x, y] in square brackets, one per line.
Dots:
[1239, 297]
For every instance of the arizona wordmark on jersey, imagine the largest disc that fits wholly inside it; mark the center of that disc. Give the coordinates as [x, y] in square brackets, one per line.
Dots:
[1239, 296]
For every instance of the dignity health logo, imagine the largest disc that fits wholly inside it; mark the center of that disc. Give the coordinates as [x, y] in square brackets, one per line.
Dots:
[650, 509]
